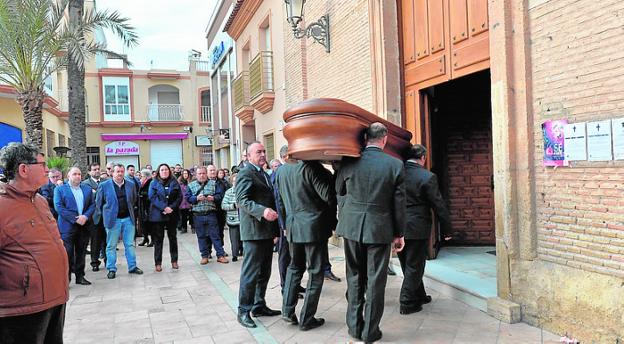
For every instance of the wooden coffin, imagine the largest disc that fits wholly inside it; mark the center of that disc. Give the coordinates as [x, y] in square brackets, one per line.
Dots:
[329, 129]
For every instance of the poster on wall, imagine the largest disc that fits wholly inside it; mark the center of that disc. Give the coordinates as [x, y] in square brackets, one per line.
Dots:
[575, 142]
[118, 148]
[617, 124]
[599, 141]
[553, 131]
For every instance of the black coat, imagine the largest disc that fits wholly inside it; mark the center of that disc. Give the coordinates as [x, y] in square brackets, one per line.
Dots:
[144, 202]
[423, 194]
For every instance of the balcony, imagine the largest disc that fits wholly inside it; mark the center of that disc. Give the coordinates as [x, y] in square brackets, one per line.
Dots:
[261, 90]
[206, 114]
[242, 108]
[165, 113]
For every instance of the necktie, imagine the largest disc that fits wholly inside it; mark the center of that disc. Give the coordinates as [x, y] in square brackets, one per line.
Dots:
[264, 177]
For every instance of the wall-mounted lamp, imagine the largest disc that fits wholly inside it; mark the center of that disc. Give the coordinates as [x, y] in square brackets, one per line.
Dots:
[318, 30]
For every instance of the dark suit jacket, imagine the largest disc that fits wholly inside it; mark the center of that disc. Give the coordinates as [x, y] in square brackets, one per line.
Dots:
[423, 194]
[373, 209]
[106, 201]
[253, 195]
[47, 191]
[308, 201]
[66, 207]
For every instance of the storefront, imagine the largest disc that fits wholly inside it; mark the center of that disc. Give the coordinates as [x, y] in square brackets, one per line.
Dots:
[122, 152]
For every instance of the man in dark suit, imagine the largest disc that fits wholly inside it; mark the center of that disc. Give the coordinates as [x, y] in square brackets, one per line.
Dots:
[75, 205]
[98, 233]
[115, 200]
[371, 217]
[422, 194]
[47, 191]
[258, 228]
[308, 199]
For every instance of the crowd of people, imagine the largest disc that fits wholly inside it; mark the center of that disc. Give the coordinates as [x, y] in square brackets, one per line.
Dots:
[376, 203]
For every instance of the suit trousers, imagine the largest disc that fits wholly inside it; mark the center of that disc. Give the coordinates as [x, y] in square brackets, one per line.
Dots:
[413, 258]
[235, 241]
[45, 327]
[313, 255]
[75, 242]
[255, 274]
[367, 273]
[98, 243]
[158, 236]
[283, 258]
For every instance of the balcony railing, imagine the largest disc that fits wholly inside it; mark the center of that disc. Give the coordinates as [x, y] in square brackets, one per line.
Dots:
[165, 112]
[206, 115]
[202, 66]
[240, 87]
[261, 74]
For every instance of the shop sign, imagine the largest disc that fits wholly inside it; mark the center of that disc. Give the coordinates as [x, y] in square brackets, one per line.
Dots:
[121, 148]
[217, 52]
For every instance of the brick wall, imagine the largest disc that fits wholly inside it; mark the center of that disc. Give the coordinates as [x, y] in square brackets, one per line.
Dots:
[343, 73]
[577, 60]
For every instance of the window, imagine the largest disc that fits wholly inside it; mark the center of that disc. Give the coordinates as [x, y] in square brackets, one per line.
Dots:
[61, 140]
[93, 155]
[116, 99]
[49, 142]
[265, 35]
[269, 146]
[205, 156]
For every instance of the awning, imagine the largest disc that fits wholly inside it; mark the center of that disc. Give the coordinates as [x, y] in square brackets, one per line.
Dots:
[147, 136]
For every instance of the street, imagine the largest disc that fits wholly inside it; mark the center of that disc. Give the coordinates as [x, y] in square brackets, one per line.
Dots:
[197, 304]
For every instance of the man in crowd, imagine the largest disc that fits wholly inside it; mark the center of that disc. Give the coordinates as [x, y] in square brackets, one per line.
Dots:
[422, 194]
[220, 189]
[115, 200]
[98, 233]
[258, 228]
[109, 169]
[202, 194]
[371, 217]
[75, 206]
[132, 176]
[283, 251]
[47, 191]
[29, 244]
[308, 199]
[177, 171]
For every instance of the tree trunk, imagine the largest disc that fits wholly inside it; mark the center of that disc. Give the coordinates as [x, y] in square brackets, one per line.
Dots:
[76, 97]
[32, 107]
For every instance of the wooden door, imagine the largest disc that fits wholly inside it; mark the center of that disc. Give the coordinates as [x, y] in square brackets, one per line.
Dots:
[443, 40]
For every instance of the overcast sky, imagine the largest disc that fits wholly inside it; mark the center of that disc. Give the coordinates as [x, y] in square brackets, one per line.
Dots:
[167, 29]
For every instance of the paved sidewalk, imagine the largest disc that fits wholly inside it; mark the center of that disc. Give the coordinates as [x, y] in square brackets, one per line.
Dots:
[197, 304]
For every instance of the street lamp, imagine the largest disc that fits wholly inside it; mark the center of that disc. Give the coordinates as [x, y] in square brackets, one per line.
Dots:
[318, 30]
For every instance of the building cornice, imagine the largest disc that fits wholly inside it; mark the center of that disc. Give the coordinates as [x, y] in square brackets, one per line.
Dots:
[243, 11]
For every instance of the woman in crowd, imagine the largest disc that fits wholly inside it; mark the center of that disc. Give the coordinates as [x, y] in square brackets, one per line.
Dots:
[165, 197]
[144, 206]
[229, 204]
[185, 206]
[224, 185]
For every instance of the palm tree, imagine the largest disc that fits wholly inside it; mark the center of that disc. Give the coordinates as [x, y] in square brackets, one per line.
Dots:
[36, 40]
[84, 23]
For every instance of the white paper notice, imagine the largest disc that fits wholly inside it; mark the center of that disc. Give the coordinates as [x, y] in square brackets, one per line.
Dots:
[599, 140]
[618, 138]
[574, 145]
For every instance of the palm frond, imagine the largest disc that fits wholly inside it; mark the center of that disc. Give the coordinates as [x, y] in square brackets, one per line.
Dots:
[112, 21]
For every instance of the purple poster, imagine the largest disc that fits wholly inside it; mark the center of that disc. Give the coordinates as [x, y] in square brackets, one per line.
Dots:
[553, 142]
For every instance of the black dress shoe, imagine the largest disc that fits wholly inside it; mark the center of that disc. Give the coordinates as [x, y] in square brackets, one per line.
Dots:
[151, 244]
[410, 309]
[111, 274]
[245, 320]
[355, 336]
[425, 300]
[391, 272]
[330, 276]
[95, 268]
[82, 281]
[300, 296]
[136, 271]
[235, 259]
[265, 312]
[291, 319]
[301, 289]
[144, 242]
[313, 323]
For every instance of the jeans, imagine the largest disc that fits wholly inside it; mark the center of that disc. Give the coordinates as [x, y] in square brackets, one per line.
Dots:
[125, 227]
[41, 327]
[207, 230]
